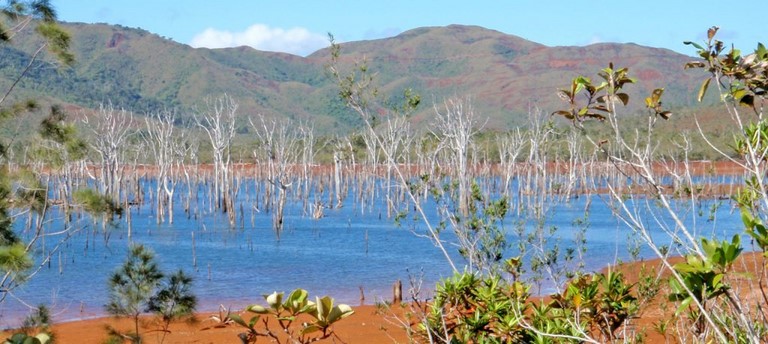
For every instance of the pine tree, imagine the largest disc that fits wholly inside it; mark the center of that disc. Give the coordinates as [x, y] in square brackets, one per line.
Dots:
[19, 189]
[132, 286]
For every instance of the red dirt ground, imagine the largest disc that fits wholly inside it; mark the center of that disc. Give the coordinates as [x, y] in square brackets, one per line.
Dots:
[367, 325]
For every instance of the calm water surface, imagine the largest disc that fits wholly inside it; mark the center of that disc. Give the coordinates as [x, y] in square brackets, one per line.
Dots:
[336, 255]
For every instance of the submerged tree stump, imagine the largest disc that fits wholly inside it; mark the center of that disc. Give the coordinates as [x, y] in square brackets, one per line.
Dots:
[397, 292]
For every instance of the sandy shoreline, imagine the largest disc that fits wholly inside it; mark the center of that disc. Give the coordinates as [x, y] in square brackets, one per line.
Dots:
[365, 326]
[369, 324]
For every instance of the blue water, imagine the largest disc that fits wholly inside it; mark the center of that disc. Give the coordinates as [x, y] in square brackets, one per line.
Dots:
[349, 248]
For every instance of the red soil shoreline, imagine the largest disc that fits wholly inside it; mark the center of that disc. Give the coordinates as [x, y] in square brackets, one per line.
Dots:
[369, 324]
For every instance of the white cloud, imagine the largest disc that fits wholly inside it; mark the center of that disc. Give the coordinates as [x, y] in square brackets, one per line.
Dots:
[297, 40]
[596, 39]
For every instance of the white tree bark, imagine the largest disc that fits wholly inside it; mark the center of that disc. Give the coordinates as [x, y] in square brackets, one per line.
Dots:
[280, 150]
[455, 127]
[395, 138]
[218, 122]
[111, 129]
[169, 153]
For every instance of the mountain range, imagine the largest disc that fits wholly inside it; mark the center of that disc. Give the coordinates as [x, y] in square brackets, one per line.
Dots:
[505, 76]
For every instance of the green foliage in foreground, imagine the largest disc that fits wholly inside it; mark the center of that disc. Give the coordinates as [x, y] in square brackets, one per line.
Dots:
[97, 204]
[138, 287]
[285, 312]
[489, 309]
[23, 338]
[36, 329]
[21, 188]
[703, 284]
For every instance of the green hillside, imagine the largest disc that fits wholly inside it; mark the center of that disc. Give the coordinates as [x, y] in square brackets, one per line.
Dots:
[505, 75]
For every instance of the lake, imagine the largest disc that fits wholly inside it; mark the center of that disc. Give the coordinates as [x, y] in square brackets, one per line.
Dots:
[349, 248]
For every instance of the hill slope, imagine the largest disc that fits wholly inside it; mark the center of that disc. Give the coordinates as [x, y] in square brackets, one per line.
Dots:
[505, 75]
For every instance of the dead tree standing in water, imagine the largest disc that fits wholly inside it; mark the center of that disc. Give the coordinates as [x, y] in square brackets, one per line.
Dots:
[396, 138]
[164, 147]
[456, 127]
[111, 128]
[280, 150]
[218, 122]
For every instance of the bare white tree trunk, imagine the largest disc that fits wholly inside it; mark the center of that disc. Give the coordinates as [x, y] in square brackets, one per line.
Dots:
[169, 153]
[308, 153]
[280, 150]
[218, 122]
[111, 130]
[338, 165]
[455, 127]
[511, 146]
[395, 139]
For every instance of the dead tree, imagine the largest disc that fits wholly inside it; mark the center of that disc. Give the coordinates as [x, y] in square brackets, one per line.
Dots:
[575, 161]
[189, 151]
[455, 127]
[510, 146]
[218, 122]
[342, 150]
[307, 138]
[169, 153]
[280, 151]
[111, 129]
[395, 138]
[366, 178]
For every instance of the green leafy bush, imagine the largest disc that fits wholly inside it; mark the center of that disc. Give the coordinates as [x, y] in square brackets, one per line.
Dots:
[489, 309]
[285, 313]
[138, 287]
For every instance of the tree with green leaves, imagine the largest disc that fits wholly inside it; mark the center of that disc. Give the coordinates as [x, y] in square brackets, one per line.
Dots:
[138, 287]
[59, 152]
[20, 15]
[706, 285]
[132, 286]
[22, 189]
[285, 313]
[35, 329]
[173, 301]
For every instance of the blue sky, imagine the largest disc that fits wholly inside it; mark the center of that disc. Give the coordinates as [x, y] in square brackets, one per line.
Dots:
[301, 26]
